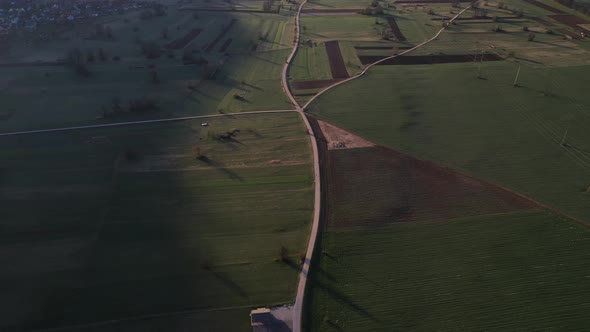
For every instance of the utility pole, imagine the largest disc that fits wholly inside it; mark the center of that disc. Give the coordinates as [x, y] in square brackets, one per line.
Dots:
[564, 136]
[566, 131]
[479, 67]
[516, 78]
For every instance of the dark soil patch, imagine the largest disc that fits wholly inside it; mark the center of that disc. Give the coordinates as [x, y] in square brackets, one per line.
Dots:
[337, 66]
[185, 40]
[543, 21]
[225, 30]
[571, 21]
[378, 186]
[316, 84]
[395, 29]
[330, 11]
[428, 59]
[225, 45]
[544, 6]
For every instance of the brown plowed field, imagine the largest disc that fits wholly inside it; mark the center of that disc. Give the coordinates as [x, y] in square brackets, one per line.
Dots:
[544, 6]
[337, 66]
[182, 42]
[225, 30]
[317, 84]
[428, 59]
[395, 29]
[379, 186]
[225, 45]
[571, 21]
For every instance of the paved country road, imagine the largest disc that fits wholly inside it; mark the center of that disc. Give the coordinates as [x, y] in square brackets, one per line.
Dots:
[130, 123]
[298, 307]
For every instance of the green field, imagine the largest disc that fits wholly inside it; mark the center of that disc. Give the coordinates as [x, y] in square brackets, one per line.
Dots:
[486, 127]
[109, 224]
[410, 246]
[332, 4]
[513, 272]
[310, 63]
[339, 27]
[41, 96]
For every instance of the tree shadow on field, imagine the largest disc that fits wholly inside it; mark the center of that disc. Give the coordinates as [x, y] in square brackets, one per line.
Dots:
[266, 60]
[219, 166]
[231, 284]
[341, 298]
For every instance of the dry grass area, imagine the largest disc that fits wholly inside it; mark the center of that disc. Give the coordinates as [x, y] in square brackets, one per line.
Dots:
[338, 138]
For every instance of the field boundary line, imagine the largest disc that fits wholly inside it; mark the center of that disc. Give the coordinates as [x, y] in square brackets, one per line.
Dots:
[369, 66]
[131, 123]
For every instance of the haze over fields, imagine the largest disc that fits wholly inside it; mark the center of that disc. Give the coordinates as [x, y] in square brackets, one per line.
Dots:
[277, 165]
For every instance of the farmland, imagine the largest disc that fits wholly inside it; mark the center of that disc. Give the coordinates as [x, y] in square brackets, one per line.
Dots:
[514, 140]
[410, 246]
[187, 62]
[153, 222]
[502, 272]
[450, 241]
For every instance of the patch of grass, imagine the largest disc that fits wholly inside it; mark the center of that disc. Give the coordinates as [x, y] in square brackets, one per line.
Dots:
[310, 63]
[188, 223]
[340, 27]
[508, 271]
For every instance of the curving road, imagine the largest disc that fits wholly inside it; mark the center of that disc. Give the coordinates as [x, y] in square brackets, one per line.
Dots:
[298, 307]
[384, 59]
